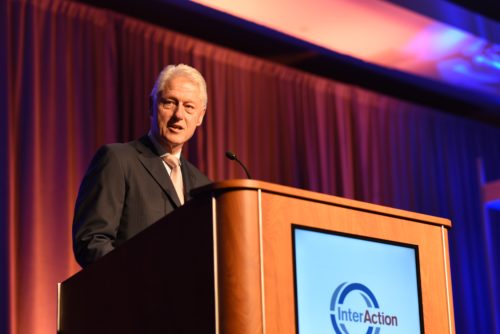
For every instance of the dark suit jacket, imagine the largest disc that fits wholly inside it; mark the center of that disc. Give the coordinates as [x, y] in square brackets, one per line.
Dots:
[126, 189]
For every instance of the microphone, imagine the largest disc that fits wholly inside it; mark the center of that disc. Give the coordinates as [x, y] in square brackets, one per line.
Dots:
[231, 156]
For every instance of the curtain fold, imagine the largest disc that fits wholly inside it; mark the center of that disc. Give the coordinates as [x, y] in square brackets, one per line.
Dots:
[78, 77]
[5, 272]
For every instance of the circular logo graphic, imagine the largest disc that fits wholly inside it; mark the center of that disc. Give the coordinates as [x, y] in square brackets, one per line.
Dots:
[355, 309]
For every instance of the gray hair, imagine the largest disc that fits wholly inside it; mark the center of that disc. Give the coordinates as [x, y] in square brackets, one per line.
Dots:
[180, 70]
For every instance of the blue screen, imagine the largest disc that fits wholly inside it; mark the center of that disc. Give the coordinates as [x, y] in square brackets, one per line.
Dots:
[348, 285]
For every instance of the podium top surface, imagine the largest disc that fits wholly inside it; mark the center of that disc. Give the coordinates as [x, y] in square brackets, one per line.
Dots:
[266, 187]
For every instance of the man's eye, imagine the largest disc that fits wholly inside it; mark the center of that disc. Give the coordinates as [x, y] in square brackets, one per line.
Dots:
[167, 103]
[189, 108]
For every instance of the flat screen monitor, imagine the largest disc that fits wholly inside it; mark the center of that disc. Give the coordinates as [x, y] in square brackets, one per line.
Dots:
[347, 284]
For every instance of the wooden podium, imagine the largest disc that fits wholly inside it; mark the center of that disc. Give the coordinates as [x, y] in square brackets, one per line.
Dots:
[223, 263]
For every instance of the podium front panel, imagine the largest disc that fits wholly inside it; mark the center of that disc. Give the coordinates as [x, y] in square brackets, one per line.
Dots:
[281, 213]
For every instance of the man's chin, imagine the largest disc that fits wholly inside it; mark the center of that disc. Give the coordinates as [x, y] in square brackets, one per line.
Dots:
[175, 144]
[175, 140]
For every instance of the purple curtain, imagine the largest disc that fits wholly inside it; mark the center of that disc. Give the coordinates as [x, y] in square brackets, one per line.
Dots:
[75, 77]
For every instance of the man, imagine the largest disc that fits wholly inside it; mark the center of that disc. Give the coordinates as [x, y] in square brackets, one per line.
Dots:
[127, 185]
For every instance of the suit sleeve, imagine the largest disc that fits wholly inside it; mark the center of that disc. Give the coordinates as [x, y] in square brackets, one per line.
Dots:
[98, 208]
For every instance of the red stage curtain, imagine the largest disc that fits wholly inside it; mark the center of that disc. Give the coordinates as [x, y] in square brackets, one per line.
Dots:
[76, 77]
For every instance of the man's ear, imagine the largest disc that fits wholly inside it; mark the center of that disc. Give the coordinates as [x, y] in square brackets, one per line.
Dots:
[200, 117]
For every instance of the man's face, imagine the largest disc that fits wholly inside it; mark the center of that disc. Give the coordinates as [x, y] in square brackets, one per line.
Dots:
[177, 111]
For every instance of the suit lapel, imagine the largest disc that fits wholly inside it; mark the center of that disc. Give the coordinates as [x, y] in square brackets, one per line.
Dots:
[154, 165]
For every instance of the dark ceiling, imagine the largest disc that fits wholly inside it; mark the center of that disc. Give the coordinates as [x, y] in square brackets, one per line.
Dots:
[244, 36]
[490, 8]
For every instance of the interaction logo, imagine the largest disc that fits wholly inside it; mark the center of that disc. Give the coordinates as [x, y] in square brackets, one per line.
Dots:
[354, 309]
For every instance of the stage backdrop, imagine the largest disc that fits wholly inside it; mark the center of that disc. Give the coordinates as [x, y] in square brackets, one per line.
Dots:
[74, 77]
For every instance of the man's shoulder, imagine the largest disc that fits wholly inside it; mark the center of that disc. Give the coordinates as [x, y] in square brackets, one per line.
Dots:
[132, 147]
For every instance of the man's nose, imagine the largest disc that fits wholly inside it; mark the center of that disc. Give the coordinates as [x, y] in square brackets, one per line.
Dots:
[179, 111]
